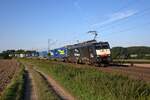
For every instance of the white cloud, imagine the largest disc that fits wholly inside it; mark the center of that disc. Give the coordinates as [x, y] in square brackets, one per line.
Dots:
[115, 17]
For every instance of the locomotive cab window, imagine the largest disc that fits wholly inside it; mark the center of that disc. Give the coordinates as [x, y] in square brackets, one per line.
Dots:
[102, 47]
[105, 46]
[102, 50]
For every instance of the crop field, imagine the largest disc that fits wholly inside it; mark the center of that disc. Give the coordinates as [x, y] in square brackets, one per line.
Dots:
[7, 70]
[12, 83]
[88, 83]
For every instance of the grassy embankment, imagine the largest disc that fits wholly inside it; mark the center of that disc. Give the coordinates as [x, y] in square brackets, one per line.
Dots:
[14, 90]
[91, 84]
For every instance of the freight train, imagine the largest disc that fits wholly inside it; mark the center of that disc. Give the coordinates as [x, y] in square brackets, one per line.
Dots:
[88, 52]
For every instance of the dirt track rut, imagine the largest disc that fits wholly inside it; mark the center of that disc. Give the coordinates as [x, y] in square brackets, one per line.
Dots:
[63, 94]
[30, 90]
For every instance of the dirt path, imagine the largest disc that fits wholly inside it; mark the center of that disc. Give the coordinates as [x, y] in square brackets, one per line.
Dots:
[30, 91]
[63, 94]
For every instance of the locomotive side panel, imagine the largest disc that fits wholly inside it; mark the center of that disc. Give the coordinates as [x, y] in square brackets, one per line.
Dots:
[72, 56]
[83, 55]
[92, 54]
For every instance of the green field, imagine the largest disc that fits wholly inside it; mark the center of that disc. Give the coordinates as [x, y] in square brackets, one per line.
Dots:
[91, 84]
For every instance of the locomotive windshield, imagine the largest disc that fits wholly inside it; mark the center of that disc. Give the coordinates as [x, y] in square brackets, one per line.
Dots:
[102, 46]
[102, 49]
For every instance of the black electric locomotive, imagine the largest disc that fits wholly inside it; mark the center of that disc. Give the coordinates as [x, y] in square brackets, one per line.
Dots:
[89, 52]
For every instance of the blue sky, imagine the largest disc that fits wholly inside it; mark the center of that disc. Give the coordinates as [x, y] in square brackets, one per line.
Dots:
[28, 24]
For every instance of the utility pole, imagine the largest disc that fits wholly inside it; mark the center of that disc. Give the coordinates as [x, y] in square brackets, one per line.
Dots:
[77, 41]
[48, 45]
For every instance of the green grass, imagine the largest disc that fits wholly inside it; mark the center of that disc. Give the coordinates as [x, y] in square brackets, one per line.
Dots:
[43, 90]
[14, 91]
[91, 84]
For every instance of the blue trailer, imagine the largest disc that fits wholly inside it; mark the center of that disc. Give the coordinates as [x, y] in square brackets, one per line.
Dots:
[59, 53]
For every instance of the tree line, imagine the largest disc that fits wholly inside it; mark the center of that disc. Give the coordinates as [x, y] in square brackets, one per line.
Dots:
[135, 52]
[8, 54]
